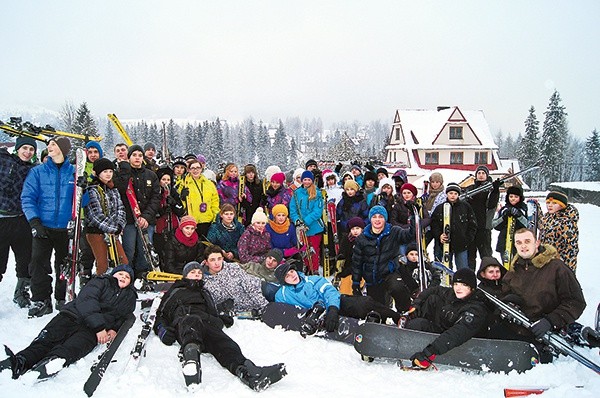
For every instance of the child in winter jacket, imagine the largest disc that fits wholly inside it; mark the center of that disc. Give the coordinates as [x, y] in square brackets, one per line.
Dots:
[255, 242]
[278, 193]
[344, 275]
[409, 269]
[282, 231]
[516, 208]
[352, 204]
[183, 246]
[558, 227]
[226, 232]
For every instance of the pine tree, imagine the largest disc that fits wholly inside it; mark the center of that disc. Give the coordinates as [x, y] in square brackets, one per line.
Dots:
[108, 142]
[190, 133]
[344, 150]
[67, 116]
[228, 145]
[153, 136]
[84, 122]
[553, 141]
[263, 147]
[294, 162]
[173, 140]
[280, 148]
[250, 144]
[528, 151]
[592, 156]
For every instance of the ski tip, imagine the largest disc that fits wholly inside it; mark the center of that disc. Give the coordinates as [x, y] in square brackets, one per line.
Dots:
[523, 391]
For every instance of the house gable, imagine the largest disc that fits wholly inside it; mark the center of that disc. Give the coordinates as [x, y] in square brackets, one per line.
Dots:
[456, 131]
[397, 134]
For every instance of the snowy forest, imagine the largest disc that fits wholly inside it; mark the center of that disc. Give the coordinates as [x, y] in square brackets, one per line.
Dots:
[289, 142]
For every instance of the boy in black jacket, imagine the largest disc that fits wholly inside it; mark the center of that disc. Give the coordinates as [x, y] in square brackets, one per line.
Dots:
[92, 318]
[188, 314]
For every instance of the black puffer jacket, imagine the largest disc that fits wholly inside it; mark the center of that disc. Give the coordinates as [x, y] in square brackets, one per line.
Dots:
[457, 320]
[102, 304]
[484, 203]
[463, 225]
[146, 187]
[376, 256]
[187, 297]
[177, 255]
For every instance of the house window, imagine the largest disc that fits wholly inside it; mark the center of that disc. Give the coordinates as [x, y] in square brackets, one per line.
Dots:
[456, 133]
[432, 158]
[456, 158]
[397, 133]
[481, 158]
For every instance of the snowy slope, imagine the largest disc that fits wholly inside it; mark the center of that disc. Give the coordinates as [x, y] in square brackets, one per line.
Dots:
[315, 366]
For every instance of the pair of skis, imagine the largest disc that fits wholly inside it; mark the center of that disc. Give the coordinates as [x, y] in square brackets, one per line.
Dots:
[421, 249]
[149, 253]
[16, 127]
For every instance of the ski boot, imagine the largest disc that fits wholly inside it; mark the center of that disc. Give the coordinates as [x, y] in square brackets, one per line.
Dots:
[373, 317]
[22, 297]
[17, 363]
[40, 308]
[310, 321]
[48, 367]
[591, 336]
[192, 372]
[260, 378]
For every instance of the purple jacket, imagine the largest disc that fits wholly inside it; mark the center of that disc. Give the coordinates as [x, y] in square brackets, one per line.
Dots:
[254, 246]
[228, 192]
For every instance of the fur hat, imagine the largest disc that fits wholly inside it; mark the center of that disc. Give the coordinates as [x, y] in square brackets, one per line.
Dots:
[489, 262]
[126, 268]
[278, 177]
[307, 174]
[410, 187]
[133, 149]
[280, 208]
[330, 174]
[25, 141]
[283, 268]
[276, 254]
[382, 170]
[378, 209]
[515, 190]
[484, 169]
[149, 145]
[192, 265]
[186, 221]
[356, 222]
[259, 215]
[94, 144]
[558, 196]
[454, 187]
[64, 144]
[466, 276]
[436, 176]
[351, 184]
[103, 164]
[370, 175]
[386, 181]
[164, 170]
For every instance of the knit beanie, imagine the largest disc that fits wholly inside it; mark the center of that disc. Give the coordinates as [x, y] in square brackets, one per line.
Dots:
[382, 170]
[190, 156]
[411, 247]
[179, 161]
[134, 148]
[356, 167]
[282, 270]
[410, 187]
[164, 170]
[126, 268]
[94, 144]
[259, 215]
[187, 221]
[466, 276]
[201, 158]
[356, 222]
[280, 208]
[307, 174]
[351, 184]
[64, 144]
[25, 141]
[149, 145]
[269, 171]
[278, 177]
[436, 177]
[276, 254]
[311, 162]
[386, 181]
[103, 164]
[378, 209]
[558, 196]
[370, 175]
[484, 169]
[453, 187]
[192, 265]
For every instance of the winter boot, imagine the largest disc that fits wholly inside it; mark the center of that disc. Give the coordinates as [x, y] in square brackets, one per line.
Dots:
[192, 372]
[310, 322]
[18, 363]
[48, 367]
[373, 317]
[22, 297]
[591, 336]
[259, 378]
[59, 304]
[40, 308]
[84, 277]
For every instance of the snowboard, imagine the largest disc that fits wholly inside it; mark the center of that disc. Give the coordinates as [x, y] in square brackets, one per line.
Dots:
[375, 340]
[290, 317]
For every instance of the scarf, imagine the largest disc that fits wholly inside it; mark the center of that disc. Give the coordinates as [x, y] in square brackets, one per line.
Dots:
[189, 242]
[432, 195]
[280, 228]
[228, 228]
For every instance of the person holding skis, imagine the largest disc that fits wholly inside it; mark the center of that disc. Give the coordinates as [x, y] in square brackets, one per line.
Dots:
[255, 185]
[229, 187]
[457, 314]
[188, 315]
[375, 259]
[516, 208]
[105, 215]
[182, 246]
[15, 232]
[93, 318]
[171, 208]
[47, 201]
[409, 269]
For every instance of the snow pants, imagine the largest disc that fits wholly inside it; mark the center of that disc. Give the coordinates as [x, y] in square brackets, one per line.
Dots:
[360, 306]
[192, 329]
[394, 286]
[481, 243]
[63, 337]
[15, 234]
[40, 269]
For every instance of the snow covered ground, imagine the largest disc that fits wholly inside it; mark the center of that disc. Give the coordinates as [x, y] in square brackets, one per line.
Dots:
[315, 367]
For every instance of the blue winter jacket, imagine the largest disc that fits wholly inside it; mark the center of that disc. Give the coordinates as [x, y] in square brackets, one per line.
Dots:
[310, 212]
[48, 194]
[309, 291]
[285, 240]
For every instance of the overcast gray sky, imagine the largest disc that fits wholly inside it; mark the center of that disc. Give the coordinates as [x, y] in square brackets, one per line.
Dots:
[338, 60]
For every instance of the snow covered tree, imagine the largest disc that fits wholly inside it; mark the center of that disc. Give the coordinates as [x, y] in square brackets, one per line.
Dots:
[294, 162]
[553, 141]
[280, 147]
[528, 151]
[173, 141]
[67, 116]
[108, 142]
[250, 142]
[229, 151]
[263, 147]
[189, 140]
[592, 156]
[84, 122]
[153, 136]
[343, 151]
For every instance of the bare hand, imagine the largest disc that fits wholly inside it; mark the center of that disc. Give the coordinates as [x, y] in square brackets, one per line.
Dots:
[229, 255]
[103, 337]
[142, 222]
[444, 238]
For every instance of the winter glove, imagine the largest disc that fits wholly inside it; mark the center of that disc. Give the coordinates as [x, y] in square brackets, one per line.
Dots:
[423, 359]
[171, 201]
[410, 204]
[166, 334]
[369, 166]
[496, 184]
[37, 229]
[356, 290]
[514, 212]
[184, 194]
[513, 299]
[82, 182]
[338, 167]
[331, 318]
[215, 321]
[227, 320]
[504, 213]
[541, 327]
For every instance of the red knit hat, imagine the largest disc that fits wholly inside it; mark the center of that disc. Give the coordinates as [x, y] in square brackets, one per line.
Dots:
[410, 187]
[186, 221]
[278, 177]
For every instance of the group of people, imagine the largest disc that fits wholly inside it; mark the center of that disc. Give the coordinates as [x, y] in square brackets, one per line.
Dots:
[233, 239]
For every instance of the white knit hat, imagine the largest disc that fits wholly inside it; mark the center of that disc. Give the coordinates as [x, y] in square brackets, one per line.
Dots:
[259, 215]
